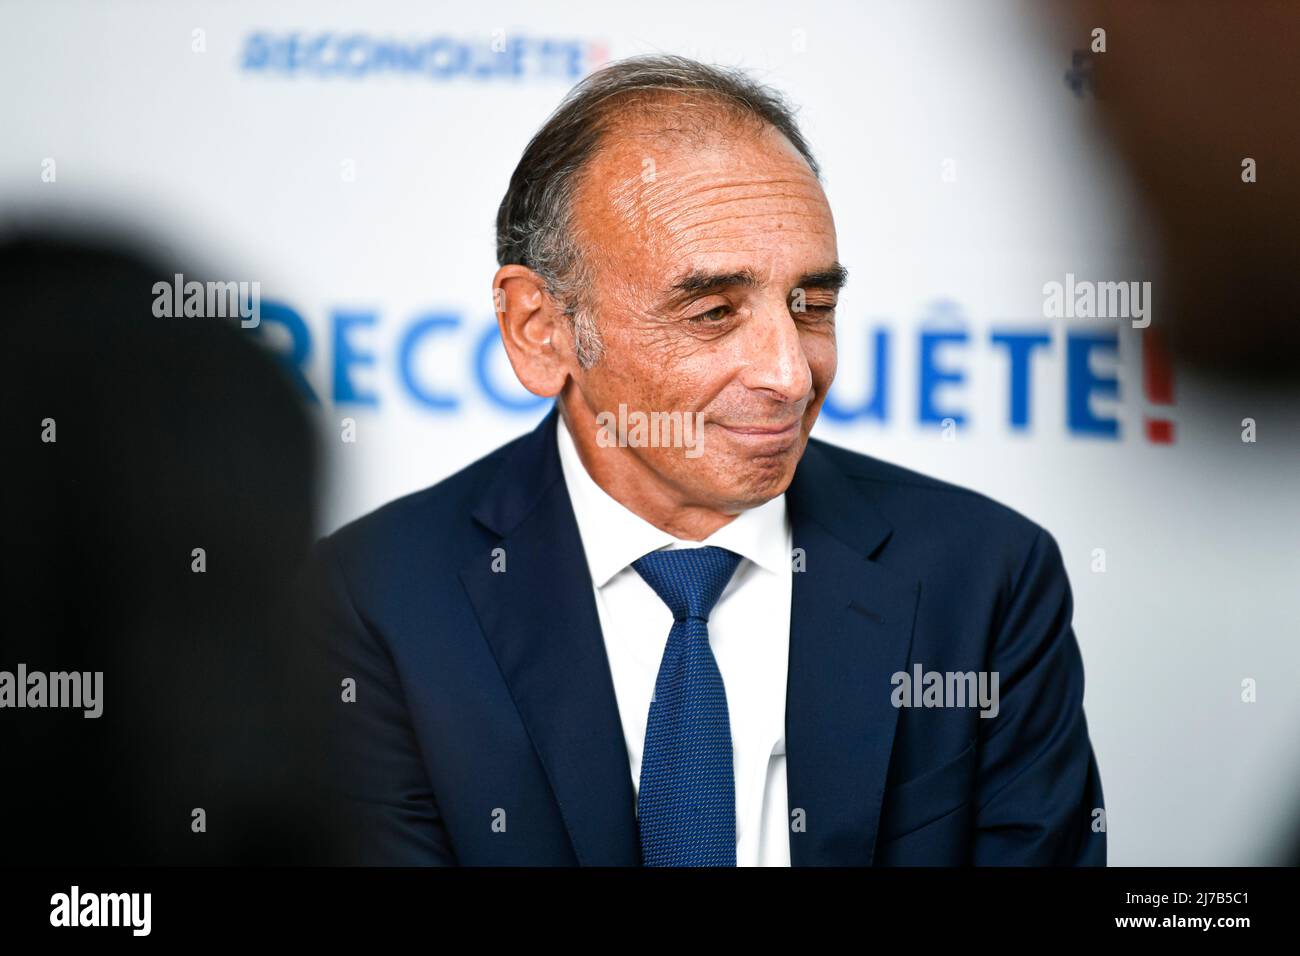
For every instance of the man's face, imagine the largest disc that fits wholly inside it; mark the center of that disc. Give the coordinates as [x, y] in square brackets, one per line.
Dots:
[714, 282]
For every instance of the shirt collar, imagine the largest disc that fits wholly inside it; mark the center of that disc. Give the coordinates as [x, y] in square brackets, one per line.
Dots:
[613, 536]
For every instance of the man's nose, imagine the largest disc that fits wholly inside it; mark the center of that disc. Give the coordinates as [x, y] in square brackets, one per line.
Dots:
[776, 362]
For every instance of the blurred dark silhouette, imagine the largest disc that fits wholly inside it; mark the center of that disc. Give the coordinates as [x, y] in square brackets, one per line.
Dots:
[171, 434]
[1187, 92]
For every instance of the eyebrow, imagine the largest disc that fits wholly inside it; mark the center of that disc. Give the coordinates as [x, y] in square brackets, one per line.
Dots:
[699, 282]
[833, 277]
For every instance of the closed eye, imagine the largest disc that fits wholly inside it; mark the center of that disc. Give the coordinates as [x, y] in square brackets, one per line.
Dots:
[816, 311]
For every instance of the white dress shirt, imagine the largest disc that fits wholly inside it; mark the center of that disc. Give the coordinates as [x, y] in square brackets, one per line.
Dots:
[749, 632]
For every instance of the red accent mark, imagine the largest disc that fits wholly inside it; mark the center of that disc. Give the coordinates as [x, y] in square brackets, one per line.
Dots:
[1158, 383]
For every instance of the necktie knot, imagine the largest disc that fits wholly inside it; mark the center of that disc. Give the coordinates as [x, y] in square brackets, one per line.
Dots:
[688, 580]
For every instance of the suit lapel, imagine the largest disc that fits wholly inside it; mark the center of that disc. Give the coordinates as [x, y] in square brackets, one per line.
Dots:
[851, 628]
[539, 617]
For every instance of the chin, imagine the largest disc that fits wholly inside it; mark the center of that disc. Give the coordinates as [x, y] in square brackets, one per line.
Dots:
[755, 481]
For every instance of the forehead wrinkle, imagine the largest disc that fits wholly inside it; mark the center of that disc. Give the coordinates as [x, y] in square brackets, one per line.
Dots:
[628, 143]
[664, 215]
[684, 226]
[691, 238]
[675, 190]
[672, 207]
[725, 217]
[691, 178]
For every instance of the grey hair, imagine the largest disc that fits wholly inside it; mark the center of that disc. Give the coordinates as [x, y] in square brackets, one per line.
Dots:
[535, 225]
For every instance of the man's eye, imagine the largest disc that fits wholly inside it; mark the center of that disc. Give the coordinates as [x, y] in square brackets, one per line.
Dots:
[711, 317]
[821, 311]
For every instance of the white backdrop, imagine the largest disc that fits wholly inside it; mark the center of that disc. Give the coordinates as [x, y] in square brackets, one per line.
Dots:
[351, 158]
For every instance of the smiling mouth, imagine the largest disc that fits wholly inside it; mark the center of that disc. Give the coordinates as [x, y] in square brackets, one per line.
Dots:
[774, 436]
[762, 429]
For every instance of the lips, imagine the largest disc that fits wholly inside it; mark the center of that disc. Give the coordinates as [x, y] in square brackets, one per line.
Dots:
[763, 439]
[761, 429]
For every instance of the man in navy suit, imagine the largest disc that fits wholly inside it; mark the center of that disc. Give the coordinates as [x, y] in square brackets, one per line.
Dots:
[667, 627]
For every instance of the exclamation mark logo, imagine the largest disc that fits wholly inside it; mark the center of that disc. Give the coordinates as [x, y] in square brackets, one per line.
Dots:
[1158, 384]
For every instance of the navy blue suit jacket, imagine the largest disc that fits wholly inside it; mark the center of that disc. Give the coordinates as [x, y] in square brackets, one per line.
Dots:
[485, 729]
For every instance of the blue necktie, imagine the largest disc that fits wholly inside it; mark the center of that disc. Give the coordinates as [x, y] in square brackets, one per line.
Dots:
[687, 799]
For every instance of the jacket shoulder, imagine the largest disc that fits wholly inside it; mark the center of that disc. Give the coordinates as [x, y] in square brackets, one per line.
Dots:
[432, 525]
[945, 510]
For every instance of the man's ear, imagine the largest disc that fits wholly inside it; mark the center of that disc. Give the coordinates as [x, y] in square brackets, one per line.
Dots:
[534, 330]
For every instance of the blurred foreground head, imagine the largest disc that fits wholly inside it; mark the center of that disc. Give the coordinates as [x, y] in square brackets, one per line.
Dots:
[1188, 92]
[170, 435]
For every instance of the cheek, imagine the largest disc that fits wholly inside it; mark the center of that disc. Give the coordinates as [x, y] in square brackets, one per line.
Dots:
[822, 356]
[678, 376]
[635, 377]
